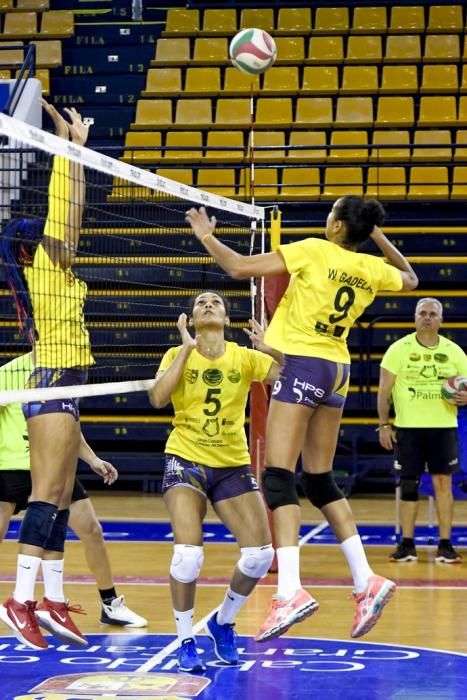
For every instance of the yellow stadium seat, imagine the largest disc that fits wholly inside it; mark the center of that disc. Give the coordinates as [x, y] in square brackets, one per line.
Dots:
[48, 53]
[35, 5]
[263, 18]
[193, 113]
[123, 190]
[181, 20]
[405, 20]
[274, 141]
[440, 78]
[459, 183]
[210, 51]
[203, 80]
[274, 111]
[281, 80]
[152, 113]
[428, 153]
[464, 57]
[369, 20]
[59, 24]
[320, 80]
[228, 146]
[300, 183]
[313, 111]
[172, 52]
[190, 144]
[460, 152]
[11, 57]
[233, 112]
[5, 74]
[6, 5]
[361, 80]
[313, 139]
[21, 25]
[382, 139]
[183, 175]
[266, 183]
[403, 49]
[294, 20]
[439, 110]
[462, 118]
[163, 81]
[219, 21]
[331, 20]
[341, 181]
[349, 138]
[395, 111]
[364, 49]
[399, 80]
[442, 48]
[386, 183]
[354, 111]
[428, 183]
[326, 50]
[238, 83]
[445, 18]
[42, 74]
[290, 49]
[147, 139]
[218, 181]
[464, 79]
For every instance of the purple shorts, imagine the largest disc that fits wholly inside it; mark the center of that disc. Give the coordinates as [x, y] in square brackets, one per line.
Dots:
[216, 483]
[312, 381]
[43, 377]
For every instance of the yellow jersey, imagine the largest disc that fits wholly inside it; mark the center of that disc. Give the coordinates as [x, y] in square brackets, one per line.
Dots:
[209, 404]
[330, 287]
[57, 296]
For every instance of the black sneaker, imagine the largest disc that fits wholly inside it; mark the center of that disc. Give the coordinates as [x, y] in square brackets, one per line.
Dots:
[405, 552]
[447, 554]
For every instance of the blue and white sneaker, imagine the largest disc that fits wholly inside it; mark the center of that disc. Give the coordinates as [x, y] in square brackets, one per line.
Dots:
[188, 657]
[225, 640]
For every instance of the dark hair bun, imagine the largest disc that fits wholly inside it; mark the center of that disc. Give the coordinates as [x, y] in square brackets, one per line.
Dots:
[373, 212]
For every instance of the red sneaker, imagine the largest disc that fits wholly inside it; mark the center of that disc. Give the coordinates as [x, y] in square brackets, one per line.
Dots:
[54, 617]
[370, 604]
[21, 619]
[285, 613]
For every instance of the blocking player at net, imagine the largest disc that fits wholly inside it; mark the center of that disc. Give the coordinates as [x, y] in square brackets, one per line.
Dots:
[38, 263]
[208, 380]
[331, 285]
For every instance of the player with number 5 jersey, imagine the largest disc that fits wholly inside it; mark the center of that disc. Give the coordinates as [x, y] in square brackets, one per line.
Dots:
[208, 380]
[331, 284]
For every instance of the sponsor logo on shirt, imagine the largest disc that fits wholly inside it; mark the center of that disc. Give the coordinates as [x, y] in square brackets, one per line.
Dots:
[234, 376]
[191, 375]
[212, 377]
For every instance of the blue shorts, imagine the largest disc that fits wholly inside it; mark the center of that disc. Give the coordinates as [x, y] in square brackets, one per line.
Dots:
[216, 483]
[312, 381]
[44, 377]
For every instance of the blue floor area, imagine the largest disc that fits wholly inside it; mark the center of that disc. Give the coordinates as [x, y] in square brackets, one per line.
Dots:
[161, 532]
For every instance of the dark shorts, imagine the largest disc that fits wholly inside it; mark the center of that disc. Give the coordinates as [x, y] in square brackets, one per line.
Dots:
[45, 377]
[15, 487]
[417, 449]
[216, 483]
[312, 381]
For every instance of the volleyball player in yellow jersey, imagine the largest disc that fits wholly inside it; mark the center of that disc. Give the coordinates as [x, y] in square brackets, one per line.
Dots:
[62, 355]
[331, 286]
[208, 380]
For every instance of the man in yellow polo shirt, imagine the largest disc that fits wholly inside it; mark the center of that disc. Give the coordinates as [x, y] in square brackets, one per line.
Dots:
[413, 370]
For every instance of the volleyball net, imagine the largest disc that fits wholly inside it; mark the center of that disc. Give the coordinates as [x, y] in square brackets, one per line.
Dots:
[97, 263]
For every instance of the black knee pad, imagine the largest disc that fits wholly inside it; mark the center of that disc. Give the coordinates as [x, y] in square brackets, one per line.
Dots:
[37, 523]
[279, 488]
[320, 489]
[409, 489]
[57, 537]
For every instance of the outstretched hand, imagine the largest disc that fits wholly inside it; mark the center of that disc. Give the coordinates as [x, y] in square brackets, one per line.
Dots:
[199, 221]
[187, 339]
[106, 470]
[74, 129]
[62, 127]
[256, 335]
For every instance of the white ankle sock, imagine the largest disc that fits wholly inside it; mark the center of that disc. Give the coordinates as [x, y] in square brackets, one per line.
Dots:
[288, 577]
[230, 607]
[357, 561]
[184, 623]
[52, 571]
[26, 574]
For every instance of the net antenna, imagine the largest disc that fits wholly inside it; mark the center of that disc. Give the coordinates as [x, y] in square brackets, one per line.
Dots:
[136, 255]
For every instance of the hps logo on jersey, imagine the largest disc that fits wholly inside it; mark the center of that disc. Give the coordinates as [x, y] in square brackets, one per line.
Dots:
[234, 376]
[191, 375]
[212, 377]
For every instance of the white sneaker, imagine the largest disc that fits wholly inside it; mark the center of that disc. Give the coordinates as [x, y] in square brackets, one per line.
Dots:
[117, 613]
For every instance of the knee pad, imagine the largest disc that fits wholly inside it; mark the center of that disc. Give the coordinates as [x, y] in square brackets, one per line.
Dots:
[187, 561]
[279, 488]
[37, 523]
[255, 561]
[409, 489]
[320, 489]
[57, 537]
